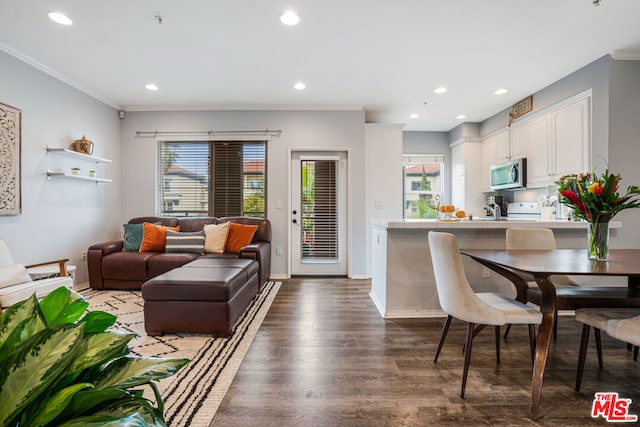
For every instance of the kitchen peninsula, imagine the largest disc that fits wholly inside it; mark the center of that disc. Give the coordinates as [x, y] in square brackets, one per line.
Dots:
[403, 284]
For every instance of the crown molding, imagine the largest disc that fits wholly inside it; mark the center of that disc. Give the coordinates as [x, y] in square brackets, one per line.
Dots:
[64, 79]
[626, 54]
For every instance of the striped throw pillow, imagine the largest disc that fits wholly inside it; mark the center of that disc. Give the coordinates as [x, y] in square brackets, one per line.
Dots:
[185, 242]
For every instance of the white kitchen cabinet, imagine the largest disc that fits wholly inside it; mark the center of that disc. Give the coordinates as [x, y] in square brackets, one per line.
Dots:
[571, 139]
[539, 171]
[466, 168]
[558, 143]
[510, 143]
[488, 159]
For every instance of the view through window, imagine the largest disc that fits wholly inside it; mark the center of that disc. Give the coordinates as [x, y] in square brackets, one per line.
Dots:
[215, 178]
[422, 181]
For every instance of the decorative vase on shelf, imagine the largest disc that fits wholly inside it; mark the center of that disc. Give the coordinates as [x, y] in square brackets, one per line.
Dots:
[598, 233]
[75, 171]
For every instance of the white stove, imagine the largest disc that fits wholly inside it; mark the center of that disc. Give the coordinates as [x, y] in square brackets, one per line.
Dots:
[523, 211]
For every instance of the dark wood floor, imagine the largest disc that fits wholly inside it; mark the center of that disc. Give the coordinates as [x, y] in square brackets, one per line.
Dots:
[325, 357]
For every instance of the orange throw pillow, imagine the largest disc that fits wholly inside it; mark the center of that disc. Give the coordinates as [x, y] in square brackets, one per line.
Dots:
[239, 235]
[154, 237]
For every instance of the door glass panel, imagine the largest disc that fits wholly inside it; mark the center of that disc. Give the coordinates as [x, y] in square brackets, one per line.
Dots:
[319, 212]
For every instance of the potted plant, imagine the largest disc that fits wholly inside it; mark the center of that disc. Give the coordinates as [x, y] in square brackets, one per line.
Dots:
[92, 173]
[60, 368]
[75, 171]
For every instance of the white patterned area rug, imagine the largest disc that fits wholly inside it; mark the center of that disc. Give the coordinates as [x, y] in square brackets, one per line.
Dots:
[193, 395]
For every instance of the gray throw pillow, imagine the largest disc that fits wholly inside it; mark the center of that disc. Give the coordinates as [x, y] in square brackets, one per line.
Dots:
[192, 242]
[133, 236]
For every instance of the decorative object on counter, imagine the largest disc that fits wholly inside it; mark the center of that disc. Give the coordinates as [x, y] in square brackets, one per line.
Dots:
[10, 137]
[75, 171]
[448, 213]
[596, 200]
[92, 173]
[83, 145]
[547, 206]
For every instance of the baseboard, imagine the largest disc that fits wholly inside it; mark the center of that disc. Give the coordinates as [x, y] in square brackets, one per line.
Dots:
[359, 277]
[278, 277]
[377, 303]
[415, 314]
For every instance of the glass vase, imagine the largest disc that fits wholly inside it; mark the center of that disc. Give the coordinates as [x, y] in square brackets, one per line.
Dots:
[598, 248]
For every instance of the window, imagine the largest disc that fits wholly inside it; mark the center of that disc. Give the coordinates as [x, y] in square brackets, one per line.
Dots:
[215, 178]
[422, 185]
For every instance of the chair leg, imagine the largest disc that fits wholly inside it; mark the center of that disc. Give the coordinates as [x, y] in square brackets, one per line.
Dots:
[635, 353]
[532, 342]
[443, 335]
[555, 326]
[497, 344]
[584, 341]
[467, 358]
[596, 332]
[506, 331]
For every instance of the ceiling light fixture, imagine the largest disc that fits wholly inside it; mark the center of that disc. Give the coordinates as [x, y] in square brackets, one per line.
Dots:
[151, 86]
[501, 91]
[413, 116]
[440, 89]
[289, 18]
[300, 86]
[461, 117]
[60, 18]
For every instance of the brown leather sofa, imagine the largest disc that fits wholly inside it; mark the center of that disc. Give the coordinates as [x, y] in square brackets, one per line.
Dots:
[111, 268]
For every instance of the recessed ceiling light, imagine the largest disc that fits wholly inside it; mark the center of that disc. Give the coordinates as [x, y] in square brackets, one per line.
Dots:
[501, 91]
[289, 18]
[299, 86]
[151, 86]
[461, 117]
[440, 89]
[413, 116]
[60, 18]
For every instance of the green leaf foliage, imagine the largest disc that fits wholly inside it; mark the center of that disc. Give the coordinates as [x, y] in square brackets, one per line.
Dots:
[134, 420]
[63, 306]
[97, 321]
[54, 405]
[32, 368]
[58, 368]
[131, 372]
[15, 314]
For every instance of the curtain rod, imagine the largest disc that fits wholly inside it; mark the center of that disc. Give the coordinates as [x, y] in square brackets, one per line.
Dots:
[155, 133]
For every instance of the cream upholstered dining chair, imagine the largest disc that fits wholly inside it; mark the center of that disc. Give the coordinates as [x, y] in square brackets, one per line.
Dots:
[16, 284]
[458, 300]
[535, 239]
[620, 323]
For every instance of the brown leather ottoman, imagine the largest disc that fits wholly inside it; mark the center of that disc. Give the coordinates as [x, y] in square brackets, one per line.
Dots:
[200, 296]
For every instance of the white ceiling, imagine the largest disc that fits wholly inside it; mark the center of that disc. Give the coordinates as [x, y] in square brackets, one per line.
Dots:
[385, 56]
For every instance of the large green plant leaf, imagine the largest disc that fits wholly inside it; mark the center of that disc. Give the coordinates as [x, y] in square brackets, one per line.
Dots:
[53, 406]
[34, 367]
[97, 321]
[15, 314]
[87, 401]
[139, 405]
[133, 371]
[63, 306]
[133, 420]
[98, 349]
[22, 332]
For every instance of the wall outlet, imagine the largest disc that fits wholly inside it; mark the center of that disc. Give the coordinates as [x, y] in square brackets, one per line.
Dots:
[278, 250]
[83, 255]
[486, 272]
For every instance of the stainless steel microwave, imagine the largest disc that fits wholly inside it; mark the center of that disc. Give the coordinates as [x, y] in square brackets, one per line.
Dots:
[512, 174]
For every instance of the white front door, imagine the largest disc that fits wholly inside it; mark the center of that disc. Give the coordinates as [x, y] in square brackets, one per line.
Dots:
[319, 213]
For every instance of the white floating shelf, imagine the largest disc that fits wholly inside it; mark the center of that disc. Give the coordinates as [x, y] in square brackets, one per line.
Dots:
[78, 177]
[71, 153]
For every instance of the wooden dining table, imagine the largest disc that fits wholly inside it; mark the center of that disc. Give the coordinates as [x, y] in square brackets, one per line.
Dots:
[543, 264]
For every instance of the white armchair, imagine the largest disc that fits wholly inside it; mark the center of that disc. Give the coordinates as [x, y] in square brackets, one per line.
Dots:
[16, 284]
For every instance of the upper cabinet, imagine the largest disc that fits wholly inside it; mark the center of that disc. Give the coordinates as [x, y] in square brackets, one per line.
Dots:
[466, 189]
[510, 144]
[559, 143]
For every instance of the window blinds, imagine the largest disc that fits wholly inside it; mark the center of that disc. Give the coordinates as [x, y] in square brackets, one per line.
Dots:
[319, 210]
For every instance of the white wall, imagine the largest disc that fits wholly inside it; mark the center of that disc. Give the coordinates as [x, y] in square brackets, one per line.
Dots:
[384, 176]
[59, 217]
[328, 130]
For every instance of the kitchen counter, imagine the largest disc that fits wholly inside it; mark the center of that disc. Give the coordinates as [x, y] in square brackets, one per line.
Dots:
[402, 280]
[482, 224]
